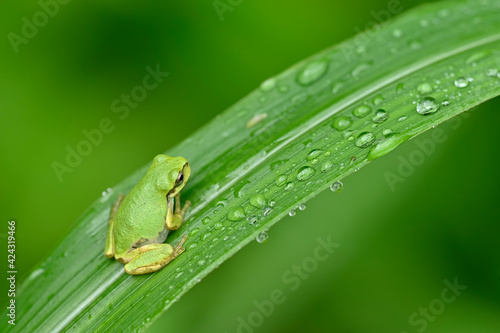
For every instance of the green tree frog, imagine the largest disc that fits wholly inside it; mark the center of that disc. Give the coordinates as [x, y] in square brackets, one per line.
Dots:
[139, 222]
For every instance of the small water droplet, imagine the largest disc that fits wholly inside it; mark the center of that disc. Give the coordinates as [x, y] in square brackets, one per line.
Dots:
[281, 180]
[492, 72]
[402, 118]
[377, 100]
[194, 231]
[387, 131]
[236, 214]
[461, 82]
[415, 45]
[201, 262]
[262, 237]
[272, 203]
[361, 111]
[341, 123]
[359, 69]
[397, 33]
[427, 105]
[252, 219]
[106, 192]
[336, 87]
[446, 102]
[256, 119]
[365, 139]
[292, 213]
[289, 186]
[312, 72]
[314, 154]
[302, 206]
[267, 211]
[380, 116]
[424, 88]
[268, 85]
[283, 88]
[327, 166]
[305, 173]
[206, 220]
[336, 187]
[258, 201]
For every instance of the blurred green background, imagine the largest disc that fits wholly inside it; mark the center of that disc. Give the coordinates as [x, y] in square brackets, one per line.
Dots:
[398, 245]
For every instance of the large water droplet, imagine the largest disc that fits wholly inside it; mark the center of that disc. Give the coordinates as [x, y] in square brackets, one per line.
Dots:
[461, 82]
[361, 111]
[336, 187]
[262, 237]
[365, 139]
[258, 201]
[386, 145]
[312, 72]
[342, 123]
[427, 105]
[305, 173]
[236, 214]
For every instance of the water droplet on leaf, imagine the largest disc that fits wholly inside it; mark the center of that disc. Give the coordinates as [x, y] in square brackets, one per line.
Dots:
[262, 237]
[365, 139]
[305, 173]
[236, 214]
[336, 187]
[427, 105]
[312, 72]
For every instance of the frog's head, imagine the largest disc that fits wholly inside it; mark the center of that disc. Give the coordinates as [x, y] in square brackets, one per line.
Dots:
[170, 173]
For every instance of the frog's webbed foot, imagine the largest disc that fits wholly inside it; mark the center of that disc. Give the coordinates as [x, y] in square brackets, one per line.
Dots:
[152, 257]
[174, 220]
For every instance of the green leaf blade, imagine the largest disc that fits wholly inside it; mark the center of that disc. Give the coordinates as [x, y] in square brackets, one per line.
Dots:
[280, 143]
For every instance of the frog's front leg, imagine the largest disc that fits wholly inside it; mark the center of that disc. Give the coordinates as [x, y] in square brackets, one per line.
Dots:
[152, 257]
[109, 249]
[173, 220]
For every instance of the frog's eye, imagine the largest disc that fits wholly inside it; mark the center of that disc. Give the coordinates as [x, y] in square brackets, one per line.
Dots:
[180, 179]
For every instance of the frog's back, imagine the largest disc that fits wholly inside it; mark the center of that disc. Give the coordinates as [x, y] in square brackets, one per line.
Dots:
[140, 219]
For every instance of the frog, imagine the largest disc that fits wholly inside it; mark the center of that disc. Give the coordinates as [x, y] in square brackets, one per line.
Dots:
[140, 221]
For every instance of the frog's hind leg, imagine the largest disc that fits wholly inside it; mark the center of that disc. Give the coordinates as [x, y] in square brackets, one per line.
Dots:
[109, 249]
[152, 257]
